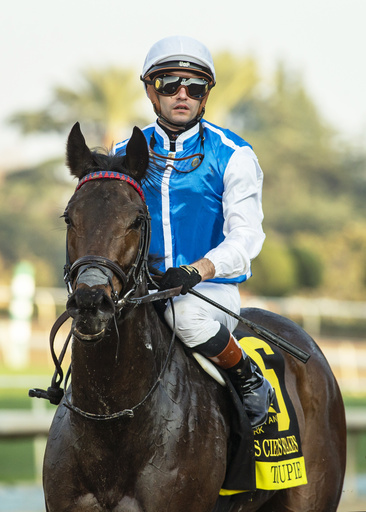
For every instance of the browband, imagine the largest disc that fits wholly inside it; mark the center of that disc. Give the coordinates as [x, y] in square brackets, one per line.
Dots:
[99, 175]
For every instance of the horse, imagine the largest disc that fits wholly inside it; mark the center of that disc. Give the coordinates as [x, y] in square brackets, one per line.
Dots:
[141, 427]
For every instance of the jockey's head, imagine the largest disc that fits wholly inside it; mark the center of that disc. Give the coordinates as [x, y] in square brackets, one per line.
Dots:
[178, 74]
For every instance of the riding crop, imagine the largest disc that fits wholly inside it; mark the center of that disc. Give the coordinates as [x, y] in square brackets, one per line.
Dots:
[258, 329]
[268, 335]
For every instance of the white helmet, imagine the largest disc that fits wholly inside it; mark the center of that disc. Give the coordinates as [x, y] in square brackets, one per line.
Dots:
[179, 52]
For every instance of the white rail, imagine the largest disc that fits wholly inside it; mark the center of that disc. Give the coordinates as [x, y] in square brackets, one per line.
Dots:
[24, 423]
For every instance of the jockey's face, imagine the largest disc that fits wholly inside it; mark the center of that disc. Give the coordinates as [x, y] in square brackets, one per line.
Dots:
[180, 108]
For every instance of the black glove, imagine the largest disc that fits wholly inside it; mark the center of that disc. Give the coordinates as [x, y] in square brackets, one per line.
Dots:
[185, 276]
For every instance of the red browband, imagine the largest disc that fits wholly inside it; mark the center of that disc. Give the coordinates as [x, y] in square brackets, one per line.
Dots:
[99, 175]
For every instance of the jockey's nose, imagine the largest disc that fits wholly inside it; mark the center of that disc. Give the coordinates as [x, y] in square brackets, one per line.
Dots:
[182, 93]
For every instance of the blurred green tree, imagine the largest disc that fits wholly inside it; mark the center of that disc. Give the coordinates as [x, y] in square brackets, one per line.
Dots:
[274, 271]
[106, 103]
[31, 202]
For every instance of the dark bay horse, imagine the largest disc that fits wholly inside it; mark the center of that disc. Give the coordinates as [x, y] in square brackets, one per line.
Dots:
[144, 429]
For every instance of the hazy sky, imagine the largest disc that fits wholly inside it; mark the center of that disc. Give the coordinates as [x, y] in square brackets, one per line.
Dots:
[48, 42]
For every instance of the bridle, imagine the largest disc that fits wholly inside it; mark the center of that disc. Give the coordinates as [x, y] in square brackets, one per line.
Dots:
[133, 278]
[129, 281]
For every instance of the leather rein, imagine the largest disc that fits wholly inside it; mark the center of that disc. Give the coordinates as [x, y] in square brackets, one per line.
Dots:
[129, 282]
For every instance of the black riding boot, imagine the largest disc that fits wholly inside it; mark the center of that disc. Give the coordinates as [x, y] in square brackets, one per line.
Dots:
[255, 391]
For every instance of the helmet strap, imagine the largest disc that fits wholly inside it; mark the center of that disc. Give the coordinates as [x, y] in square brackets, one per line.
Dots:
[181, 126]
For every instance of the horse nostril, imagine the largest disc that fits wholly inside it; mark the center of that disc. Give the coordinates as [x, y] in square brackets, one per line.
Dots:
[106, 305]
[72, 306]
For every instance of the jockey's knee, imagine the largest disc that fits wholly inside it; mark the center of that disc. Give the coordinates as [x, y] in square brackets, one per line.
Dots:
[191, 326]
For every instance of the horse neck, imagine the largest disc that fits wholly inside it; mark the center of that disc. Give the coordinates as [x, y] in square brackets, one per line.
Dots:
[103, 381]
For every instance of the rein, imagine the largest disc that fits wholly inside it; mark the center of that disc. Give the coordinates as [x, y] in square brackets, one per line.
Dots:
[130, 413]
[55, 393]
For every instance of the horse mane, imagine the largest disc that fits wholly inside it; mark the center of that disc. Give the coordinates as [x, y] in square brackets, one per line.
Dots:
[154, 261]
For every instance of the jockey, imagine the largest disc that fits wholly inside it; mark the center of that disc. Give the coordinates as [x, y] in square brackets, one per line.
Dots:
[204, 195]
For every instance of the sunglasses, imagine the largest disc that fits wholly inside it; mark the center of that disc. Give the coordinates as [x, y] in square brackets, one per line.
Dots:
[168, 85]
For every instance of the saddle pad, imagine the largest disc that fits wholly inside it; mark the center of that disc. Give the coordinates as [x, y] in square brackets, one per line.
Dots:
[279, 463]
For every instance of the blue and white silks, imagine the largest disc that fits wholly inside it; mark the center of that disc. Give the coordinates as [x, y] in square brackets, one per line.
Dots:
[213, 210]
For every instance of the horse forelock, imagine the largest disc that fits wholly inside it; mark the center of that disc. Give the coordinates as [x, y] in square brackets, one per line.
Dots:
[107, 161]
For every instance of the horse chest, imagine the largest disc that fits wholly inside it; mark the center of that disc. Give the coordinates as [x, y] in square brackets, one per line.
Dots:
[155, 463]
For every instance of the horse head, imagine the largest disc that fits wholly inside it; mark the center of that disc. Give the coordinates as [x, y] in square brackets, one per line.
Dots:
[107, 231]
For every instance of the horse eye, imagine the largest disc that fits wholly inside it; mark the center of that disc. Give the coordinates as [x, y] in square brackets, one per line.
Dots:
[66, 218]
[137, 222]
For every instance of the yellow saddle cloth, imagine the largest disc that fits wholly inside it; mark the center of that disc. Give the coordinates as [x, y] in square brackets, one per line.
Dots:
[279, 463]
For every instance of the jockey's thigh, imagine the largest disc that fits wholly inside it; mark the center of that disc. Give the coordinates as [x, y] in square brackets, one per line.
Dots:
[196, 321]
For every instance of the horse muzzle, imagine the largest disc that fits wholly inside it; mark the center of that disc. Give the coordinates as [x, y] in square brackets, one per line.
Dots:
[92, 309]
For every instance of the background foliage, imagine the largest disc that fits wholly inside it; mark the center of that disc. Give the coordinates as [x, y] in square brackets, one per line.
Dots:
[314, 186]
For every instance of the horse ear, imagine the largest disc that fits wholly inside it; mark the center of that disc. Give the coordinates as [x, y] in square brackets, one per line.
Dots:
[78, 156]
[137, 155]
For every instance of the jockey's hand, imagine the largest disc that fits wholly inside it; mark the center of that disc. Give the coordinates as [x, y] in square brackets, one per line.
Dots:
[185, 276]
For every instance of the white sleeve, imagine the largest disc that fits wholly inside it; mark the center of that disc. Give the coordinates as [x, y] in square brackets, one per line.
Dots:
[243, 216]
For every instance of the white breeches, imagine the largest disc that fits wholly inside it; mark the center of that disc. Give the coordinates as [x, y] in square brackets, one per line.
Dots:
[196, 321]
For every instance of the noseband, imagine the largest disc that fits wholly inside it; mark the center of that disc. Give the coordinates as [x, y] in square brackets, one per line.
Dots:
[129, 281]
